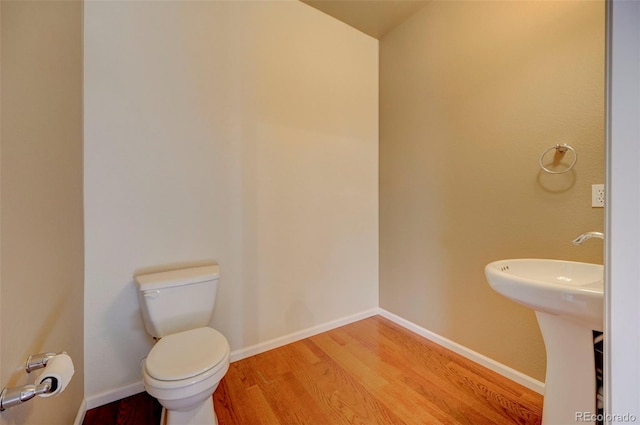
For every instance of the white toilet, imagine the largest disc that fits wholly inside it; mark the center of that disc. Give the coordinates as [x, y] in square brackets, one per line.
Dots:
[185, 366]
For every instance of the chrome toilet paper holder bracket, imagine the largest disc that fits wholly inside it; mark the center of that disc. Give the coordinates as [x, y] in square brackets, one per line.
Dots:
[17, 395]
[38, 361]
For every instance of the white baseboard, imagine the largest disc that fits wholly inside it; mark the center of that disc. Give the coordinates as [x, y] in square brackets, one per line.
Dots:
[138, 387]
[506, 371]
[114, 395]
[512, 374]
[243, 353]
[81, 412]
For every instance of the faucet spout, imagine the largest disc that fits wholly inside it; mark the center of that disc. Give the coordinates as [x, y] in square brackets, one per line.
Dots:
[586, 236]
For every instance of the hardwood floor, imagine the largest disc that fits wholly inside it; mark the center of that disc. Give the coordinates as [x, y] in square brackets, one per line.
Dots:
[369, 372]
[139, 409]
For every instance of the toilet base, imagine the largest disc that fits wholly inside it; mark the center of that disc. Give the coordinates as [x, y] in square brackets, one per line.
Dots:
[202, 414]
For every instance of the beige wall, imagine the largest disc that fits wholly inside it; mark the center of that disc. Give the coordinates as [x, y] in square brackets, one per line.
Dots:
[41, 197]
[240, 132]
[471, 94]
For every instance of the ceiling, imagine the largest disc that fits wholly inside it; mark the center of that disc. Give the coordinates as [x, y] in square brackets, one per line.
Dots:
[373, 17]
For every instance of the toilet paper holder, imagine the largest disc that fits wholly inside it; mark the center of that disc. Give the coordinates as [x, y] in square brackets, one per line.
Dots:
[17, 395]
[38, 361]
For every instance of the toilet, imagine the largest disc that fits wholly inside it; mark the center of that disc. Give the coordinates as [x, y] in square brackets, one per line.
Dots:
[189, 359]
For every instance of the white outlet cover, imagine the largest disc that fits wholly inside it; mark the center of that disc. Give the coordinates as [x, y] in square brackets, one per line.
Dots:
[597, 195]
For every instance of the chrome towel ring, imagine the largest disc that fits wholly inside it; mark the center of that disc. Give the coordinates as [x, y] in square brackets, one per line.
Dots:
[561, 149]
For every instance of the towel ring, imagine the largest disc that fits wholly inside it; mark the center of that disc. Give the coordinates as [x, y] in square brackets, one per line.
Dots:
[562, 149]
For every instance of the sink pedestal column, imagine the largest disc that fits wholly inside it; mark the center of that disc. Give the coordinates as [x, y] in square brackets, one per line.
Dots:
[570, 384]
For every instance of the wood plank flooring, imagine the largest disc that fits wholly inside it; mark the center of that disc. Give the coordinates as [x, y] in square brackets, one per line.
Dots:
[368, 372]
[139, 409]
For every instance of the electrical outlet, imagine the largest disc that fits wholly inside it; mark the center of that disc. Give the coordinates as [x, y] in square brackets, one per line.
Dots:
[597, 195]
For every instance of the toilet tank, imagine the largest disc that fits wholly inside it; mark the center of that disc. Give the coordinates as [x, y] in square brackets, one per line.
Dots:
[177, 300]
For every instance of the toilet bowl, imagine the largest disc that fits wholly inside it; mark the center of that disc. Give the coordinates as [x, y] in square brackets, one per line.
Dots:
[183, 370]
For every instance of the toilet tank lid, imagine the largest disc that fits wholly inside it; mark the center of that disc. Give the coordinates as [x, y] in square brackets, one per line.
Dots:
[179, 277]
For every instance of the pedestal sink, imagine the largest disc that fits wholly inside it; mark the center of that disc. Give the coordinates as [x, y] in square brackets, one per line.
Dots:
[567, 297]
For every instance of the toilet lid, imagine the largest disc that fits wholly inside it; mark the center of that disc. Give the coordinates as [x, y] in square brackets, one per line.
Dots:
[186, 354]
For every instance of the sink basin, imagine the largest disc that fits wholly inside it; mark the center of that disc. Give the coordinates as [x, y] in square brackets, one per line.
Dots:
[569, 289]
[568, 299]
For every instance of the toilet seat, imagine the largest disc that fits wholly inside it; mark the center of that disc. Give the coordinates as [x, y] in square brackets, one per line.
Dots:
[188, 354]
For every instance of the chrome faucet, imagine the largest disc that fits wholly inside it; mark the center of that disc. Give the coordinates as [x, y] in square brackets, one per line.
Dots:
[586, 236]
